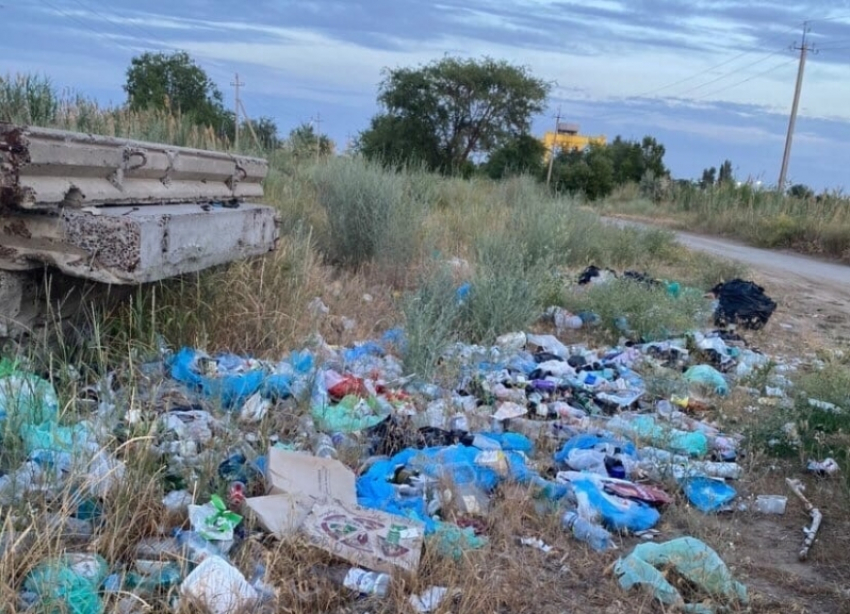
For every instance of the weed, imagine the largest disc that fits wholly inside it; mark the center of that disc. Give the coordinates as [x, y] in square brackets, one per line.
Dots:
[648, 312]
[431, 316]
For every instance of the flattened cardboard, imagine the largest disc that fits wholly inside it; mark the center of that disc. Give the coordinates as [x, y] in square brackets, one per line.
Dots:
[296, 473]
[362, 536]
[297, 482]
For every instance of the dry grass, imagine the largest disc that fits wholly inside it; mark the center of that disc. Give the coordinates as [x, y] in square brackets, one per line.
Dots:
[813, 225]
[506, 233]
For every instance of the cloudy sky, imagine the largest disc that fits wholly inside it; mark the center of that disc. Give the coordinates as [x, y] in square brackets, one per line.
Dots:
[710, 79]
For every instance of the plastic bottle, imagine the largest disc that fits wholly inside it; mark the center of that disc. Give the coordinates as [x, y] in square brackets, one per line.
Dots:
[357, 579]
[323, 446]
[592, 534]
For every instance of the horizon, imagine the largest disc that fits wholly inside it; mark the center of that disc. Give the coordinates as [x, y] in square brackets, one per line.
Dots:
[724, 92]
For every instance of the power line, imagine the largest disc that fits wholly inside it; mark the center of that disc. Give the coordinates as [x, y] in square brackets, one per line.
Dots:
[103, 35]
[748, 79]
[711, 68]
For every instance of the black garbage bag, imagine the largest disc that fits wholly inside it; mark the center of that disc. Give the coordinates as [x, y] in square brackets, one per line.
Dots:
[742, 302]
[594, 271]
[641, 278]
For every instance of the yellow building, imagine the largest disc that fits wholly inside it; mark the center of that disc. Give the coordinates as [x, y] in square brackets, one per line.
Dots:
[567, 138]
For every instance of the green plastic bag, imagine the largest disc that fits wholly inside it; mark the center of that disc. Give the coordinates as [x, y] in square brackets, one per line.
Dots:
[692, 559]
[26, 398]
[69, 584]
[214, 521]
[350, 415]
[450, 540]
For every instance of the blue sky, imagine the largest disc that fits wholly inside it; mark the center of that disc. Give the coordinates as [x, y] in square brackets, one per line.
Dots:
[710, 80]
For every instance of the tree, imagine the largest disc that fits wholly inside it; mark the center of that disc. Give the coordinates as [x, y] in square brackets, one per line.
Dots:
[709, 177]
[725, 175]
[304, 141]
[590, 172]
[801, 190]
[175, 82]
[520, 155]
[266, 130]
[445, 113]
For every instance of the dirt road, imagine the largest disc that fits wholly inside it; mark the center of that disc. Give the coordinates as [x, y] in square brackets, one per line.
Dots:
[813, 295]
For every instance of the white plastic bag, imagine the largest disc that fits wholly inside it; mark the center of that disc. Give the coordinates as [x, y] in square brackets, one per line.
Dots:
[219, 587]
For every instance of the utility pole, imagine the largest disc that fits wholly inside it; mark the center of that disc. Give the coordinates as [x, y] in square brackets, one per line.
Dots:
[804, 49]
[318, 121]
[552, 150]
[237, 103]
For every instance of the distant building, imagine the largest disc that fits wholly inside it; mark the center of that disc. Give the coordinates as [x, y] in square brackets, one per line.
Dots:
[567, 138]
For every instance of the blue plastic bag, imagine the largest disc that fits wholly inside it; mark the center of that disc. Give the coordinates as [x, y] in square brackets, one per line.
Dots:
[232, 390]
[615, 512]
[588, 441]
[707, 494]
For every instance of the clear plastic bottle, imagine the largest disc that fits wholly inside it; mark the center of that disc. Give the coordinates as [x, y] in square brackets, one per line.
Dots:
[323, 446]
[592, 534]
[356, 579]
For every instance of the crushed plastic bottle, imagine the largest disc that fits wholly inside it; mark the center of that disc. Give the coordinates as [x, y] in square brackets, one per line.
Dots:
[592, 534]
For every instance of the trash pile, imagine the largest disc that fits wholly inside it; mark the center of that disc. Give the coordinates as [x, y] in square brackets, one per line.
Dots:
[575, 425]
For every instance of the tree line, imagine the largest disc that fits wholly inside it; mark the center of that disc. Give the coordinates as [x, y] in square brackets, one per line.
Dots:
[453, 116]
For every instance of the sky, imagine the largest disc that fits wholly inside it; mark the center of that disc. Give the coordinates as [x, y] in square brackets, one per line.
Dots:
[710, 80]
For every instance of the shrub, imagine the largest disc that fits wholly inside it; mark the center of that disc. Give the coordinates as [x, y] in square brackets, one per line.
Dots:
[372, 214]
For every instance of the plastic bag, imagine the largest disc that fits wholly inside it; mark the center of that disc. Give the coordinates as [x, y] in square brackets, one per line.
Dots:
[69, 584]
[213, 520]
[645, 428]
[219, 587]
[707, 494]
[742, 302]
[587, 441]
[27, 399]
[450, 540]
[707, 375]
[350, 415]
[692, 559]
[231, 389]
[615, 513]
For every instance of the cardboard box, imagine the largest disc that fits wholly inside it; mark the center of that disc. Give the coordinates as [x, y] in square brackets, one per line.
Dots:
[298, 481]
[317, 498]
[365, 537]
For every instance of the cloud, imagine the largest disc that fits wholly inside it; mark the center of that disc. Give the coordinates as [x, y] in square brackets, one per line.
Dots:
[707, 75]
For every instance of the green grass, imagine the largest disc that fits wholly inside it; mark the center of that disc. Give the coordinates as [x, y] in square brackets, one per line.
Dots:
[764, 218]
[638, 310]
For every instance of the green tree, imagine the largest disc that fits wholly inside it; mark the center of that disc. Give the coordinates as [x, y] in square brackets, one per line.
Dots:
[709, 177]
[801, 190]
[447, 112]
[522, 154]
[590, 172]
[266, 130]
[175, 82]
[725, 175]
[304, 141]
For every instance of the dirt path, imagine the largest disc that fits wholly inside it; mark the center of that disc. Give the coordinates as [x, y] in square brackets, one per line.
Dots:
[813, 294]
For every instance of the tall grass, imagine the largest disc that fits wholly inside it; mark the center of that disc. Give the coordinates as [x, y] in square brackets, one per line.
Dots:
[817, 224]
[33, 100]
[373, 215]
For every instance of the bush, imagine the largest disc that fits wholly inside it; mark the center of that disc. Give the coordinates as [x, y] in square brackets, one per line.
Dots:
[507, 290]
[431, 316]
[372, 214]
